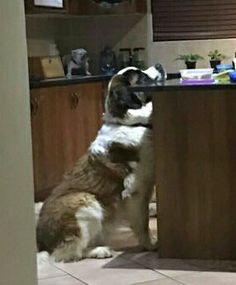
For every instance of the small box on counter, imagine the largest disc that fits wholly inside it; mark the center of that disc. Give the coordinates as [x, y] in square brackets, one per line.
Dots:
[45, 67]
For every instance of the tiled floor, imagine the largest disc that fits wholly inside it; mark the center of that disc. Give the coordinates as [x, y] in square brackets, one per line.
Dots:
[133, 267]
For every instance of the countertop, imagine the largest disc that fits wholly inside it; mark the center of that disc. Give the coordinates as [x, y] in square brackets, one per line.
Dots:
[67, 81]
[77, 79]
[175, 84]
[170, 85]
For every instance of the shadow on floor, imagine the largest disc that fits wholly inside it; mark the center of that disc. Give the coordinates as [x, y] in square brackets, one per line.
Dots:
[151, 260]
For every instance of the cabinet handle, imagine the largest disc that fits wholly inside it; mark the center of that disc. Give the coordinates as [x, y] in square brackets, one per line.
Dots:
[34, 105]
[74, 100]
[77, 96]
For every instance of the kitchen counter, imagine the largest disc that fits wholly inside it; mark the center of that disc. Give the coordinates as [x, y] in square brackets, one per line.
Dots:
[195, 152]
[174, 84]
[67, 81]
[78, 79]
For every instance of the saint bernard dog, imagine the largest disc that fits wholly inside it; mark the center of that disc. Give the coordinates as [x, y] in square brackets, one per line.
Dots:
[116, 174]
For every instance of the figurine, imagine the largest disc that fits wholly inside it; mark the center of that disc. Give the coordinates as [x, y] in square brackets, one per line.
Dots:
[77, 63]
[108, 64]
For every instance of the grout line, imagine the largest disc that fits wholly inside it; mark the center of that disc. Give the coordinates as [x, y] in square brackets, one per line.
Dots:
[72, 275]
[156, 271]
[158, 280]
[50, 277]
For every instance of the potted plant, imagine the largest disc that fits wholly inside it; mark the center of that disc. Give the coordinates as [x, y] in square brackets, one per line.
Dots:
[190, 59]
[215, 58]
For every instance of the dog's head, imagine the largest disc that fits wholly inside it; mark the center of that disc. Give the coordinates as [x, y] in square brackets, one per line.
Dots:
[119, 98]
[81, 59]
[80, 56]
[151, 75]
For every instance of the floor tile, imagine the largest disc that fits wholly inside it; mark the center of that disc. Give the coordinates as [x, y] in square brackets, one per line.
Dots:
[167, 267]
[165, 281]
[49, 271]
[208, 278]
[214, 265]
[115, 271]
[45, 267]
[63, 280]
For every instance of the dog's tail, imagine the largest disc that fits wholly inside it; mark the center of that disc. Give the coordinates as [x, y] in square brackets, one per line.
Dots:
[37, 208]
[43, 257]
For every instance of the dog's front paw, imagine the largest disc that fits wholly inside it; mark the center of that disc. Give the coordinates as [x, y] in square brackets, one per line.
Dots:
[100, 252]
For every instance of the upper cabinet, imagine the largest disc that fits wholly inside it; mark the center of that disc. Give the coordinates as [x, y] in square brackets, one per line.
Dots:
[46, 6]
[88, 7]
[92, 7]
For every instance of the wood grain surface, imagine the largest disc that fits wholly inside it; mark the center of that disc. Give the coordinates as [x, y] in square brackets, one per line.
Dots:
[195, 149]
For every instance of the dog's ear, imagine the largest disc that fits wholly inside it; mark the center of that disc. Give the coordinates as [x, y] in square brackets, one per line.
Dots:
[119, 153]
[120, 99]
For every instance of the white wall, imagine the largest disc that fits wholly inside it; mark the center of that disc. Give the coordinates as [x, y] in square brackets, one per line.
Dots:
[166, 52]
[17, 236]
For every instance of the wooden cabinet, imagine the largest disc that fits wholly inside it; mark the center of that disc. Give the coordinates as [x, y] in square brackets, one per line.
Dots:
[88, 7]
[46, 6]
[65, 119]
[195, 138]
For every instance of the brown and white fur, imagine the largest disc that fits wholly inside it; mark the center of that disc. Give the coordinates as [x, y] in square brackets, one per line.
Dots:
[73, 221]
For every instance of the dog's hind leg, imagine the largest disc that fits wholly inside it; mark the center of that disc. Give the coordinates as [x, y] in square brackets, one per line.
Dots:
[89, 221]
[137, 209]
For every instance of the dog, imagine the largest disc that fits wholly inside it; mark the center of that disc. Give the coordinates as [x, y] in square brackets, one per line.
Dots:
[130, 108]
[76, 63]
[74, 220]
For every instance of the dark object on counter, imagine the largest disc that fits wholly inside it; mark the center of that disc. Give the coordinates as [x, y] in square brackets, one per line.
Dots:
[173, 76]
[125, 57]
[232, 76]
[214, 63]
[190, 64]
[108, 3]
[108, 62]
[138, 58]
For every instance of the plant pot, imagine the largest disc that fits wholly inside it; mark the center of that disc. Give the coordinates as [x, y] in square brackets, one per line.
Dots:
[214, 63]
[190, 64]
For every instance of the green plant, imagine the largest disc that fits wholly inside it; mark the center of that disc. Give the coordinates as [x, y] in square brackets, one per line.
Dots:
[216, 55]
[189, 57]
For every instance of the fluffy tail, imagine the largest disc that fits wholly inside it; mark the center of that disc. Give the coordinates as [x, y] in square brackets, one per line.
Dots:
[37, 208]
[43, 259]
[43, 256]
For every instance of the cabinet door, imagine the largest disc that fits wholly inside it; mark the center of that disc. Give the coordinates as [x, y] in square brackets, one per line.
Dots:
[48, 137]
[64, 122]
[85, 116]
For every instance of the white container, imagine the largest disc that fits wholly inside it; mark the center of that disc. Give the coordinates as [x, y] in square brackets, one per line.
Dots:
[197, 73]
